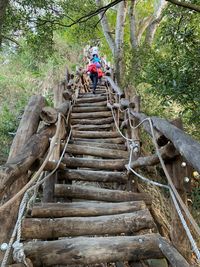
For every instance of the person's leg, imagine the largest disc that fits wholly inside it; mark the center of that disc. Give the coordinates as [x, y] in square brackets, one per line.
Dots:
[95, 79]
[92, 79]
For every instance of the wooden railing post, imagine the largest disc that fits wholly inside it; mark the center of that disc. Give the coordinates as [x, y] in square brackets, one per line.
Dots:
[48, 186]
[179, 172]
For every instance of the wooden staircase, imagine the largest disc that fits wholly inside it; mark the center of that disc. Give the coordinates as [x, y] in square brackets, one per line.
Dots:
[92, 220]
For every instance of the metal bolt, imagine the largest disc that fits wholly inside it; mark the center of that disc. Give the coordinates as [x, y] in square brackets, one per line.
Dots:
[183, 164]
[136, 149]
[4, 246]
[186, 179]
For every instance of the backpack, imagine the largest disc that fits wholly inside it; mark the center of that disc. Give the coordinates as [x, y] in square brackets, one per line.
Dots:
[92, 68]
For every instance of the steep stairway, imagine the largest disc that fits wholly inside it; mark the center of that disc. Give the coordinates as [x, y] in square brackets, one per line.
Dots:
[92, 220]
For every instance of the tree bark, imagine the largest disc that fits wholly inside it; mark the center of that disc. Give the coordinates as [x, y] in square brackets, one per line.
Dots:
[50, 115]
[19, 165]
[116, 140]
[100, 164]
[42, 228]
[93, 115]
[98, 152]
[106, 28]
[119, 40]
[84, 209]
[91, 127]
[167, 152]
[99, 194]
[160, 137]
[133, 28]
[91, 250]
[94, 104]
[157, 17]
[28, 125]
[103, 145]
[89, 109]
[173, 256]
[93, 121]
[94, 135]
[91, 99]
[94, 176]
[114, 86]
[188, 147]
[185, 4]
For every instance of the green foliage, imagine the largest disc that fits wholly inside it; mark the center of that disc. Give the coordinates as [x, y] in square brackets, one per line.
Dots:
[168, 72]
[22, 75]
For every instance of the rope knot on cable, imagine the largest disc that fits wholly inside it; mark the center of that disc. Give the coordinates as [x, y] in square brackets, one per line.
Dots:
[18, 252]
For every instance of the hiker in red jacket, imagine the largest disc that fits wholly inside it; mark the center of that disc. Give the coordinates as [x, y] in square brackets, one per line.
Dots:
[100, 75]
[92, 69]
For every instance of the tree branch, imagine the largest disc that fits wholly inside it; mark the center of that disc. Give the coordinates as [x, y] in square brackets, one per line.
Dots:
[106, 28]
[157, 17]
[186, 5]
[133, 37]
[9, 38]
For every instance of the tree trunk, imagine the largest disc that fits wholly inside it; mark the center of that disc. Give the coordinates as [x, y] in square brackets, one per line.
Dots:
[119, 40]
[28, 125]
[96, 121]
[157, 17]
[94, 176]
[105, 26]
[99, 194]
[93, 115]
[100, 164]
[133, 28]
[167, 152]
[20, 164]
[84, 209]
[94, 104]
[79, 226]
[93, 135]
[91, 127]
[103, 145]
[91, 250]
[98, 152]
[91, 99]
[89, 109]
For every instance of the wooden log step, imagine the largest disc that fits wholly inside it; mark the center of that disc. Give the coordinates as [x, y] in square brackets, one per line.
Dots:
[97, 151]
[89, 95]
[92, 121]
[47, 228]
[92, 127]
[103, 145]
[84, 209]
[100, 164]
[94, 176]
[95, 104]
[88, 250]
[99, 194]
[91, 99]
[93, 135]
[116, 140]
[88, 115]
[89, 109]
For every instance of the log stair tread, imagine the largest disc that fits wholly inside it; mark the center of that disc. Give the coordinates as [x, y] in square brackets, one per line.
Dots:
[103, 145]
[75, 233]
[93, 176]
